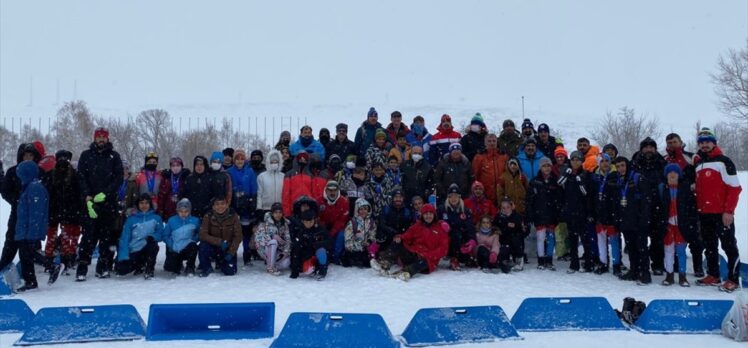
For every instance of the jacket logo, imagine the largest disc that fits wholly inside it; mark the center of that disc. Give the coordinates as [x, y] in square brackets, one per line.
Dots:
[708, 173]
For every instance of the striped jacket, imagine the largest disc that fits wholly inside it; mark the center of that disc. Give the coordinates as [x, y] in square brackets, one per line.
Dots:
[717, 185]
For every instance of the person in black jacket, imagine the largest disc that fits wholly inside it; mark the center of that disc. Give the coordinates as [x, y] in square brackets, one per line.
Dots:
[605, 231]
[513, 234]
[577, 208]
[681, 221]
[340, 145]
[195, 188]
[100, 169]
[474, 141]
[11, 192]
[461, 227]
[453, 168]
[650, 164]
[544, 197]
[633, 219]
[309, 244]
[416, 175]
[396, 218]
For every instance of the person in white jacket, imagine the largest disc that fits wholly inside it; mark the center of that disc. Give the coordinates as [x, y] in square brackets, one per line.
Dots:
[270, 183]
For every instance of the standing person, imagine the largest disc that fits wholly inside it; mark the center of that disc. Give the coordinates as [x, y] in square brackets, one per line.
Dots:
[307, 144]
[149, 179]
[489, 166]
[419, 135]
[462, 229]
[474, 141]
[577, 210]
[442, 141]
[528, 130]
[396, 127]
[172, 181]
[219, 182]
[31, 221]
[393, 171]
[633, 220]
[546, 143]
[340, 145]
[417, 175]
[513, 185]
[181, 233]
[544, 198]
[590, 153]
[284, 140]
[513, 233]
[510, 139]
[228, 158]
[138, 244]
[101, 171]
[611, 150]
[244, 188]
[681, 222]
[529, 159]
[365, 134]
[324, 138]
[297, 183]
[333, 216]
[650, 164]
[401, 149]
[287, 160]
[257, 162]
[606, 205]
[196, 188]
[478, 203]
[220, 238]
[356, 187]
[454, 168]
[717, 193]
[66, 209]
[379, 150]
[273, 240]
[270, 183]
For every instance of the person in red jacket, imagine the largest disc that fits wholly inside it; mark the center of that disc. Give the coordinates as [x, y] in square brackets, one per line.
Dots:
[333, 216]
[478, 203]
[441, 141]
[297, 183]
[420, 248]
[717, 192]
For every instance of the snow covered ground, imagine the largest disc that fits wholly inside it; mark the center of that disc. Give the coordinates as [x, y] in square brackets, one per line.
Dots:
[354, 290]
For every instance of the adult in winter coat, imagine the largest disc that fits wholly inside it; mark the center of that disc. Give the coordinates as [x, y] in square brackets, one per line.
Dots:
[442, 141]
[149, 178]
[419, 135]
[529, 159]
[717, 192]
[527, 131]
[138, 244]
[633, 219]
[340, 145]
[510, 139]
[590, 154]
[365, 134]
[360, 237]
[396, 127]
[100, 169]
[379, 150]
[257, 162]
[270, 182]
[454, 168]
[299, 182]
[356, 187]
[577, 208]
[220, 238]
[31, 220]
[489, 166]
[650, 164]
[416, 175]
[196, 188]
[273, 240]
[380, 189]
[546, 143]
[172, 181]
[395, 219]
[244, 188]
[462, 229]
[219, 182]
[307, 144]
[513, 185]
[544, 198]
[181, 233]
[309, 245]
[604, 188]
[681, 223]
[478, 203]
[474, 141]
[333, 216]
[283, 141]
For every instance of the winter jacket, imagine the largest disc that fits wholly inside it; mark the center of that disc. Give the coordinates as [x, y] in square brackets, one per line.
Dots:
[590, 159]
[306, 241]
[513, 186]
[355, 189]
[529, 165]
[684, 160]
[509, 143]
[101, 172]
[422, 140]
[360, 232]
[392, 132]
[340, 148]
[138, 227]
[473, 143]
[544, 199]
[66, 202]
[489, 241]
[380, 191]
[392, 222]
[376, 154]
[149, 182]
[401, 153]
[168, 192]
[270, 230]
[449, 172]
[578, 196]
[488, 168]
[717, 185]
[333, 214]
[480, 207]
[180, 232]
[688, 218]
[298, 182]
[604, 190]
[219, 185]
[651, 168]
[517, 229]
[428, 241]
[314, 148]
[196, 190]
[636, 215]
[365, 137]
[460, 222]
[244, 189]
[32, 214]
[270, 184]
[417, 179]
[218, 228]
[439, 144]
[547, 148]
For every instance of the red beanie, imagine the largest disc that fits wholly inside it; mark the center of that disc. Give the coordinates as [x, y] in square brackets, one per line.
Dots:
[39, 148]
[446, 118]
[101, 132]
[428, 208]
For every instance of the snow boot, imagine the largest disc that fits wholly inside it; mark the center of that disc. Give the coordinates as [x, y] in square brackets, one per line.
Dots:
[519, 265]
[682, 281]
[617, 270]
[27, 286]
[54, 273]
[321, 273]
[80, 273]
[629, 276]
[628, 307]
[709, 280]
[728, 286]
[375, 265]
[669, 279]
[601, 269]
[549, 263]
[454, 264]
[644, 279]
[541, 263]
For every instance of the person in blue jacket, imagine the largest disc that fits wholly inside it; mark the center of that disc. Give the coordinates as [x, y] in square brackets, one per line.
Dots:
[529, 159]
[32, 217]
[180, 236]
[307, 143]
[138, 244]
[244, 189]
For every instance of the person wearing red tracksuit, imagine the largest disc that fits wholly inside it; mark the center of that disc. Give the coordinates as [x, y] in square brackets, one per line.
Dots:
[717, 192]
[333, 216]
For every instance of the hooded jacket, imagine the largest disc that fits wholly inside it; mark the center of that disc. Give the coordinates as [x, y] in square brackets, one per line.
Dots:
[270, 183]
[297, 183]
[544, 198]
[717, 185]
[33, 210]
[196, 189]
[101, 172]
[513, 186]
[180, 232]
[417, 178]
[473, 143]
[269, 230]
[360, 232]
[429, 241]
[333, 213]
[66, 203]
[509, 142]
[137, 228]
[244, 189]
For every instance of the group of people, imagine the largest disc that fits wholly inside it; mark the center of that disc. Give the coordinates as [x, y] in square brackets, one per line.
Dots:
[397, 199]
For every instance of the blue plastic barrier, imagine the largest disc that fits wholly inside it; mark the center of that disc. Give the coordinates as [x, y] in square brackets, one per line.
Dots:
[683, 316]
[566, 314]
[83, 324]
[14, 316]
[333, 330]
[456, 325]
[210, 321]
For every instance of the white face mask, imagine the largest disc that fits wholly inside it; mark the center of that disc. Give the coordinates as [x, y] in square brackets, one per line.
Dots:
[350, 165]
[417, 157]
[475, 128]
[215, 166]
[274, 166]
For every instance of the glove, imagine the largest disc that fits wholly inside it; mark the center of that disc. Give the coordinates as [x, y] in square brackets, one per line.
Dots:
[445, 226]
[91, 212]
[493, 258]
[228, 258]
[468, 247]
[100, 197]
[224, 245]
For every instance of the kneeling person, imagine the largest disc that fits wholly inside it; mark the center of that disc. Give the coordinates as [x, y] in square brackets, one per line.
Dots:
[138, 244]
[220, 237]
[181, 236]
[309, 245]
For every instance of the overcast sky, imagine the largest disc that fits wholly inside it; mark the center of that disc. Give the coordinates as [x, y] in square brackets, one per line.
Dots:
[566, 57]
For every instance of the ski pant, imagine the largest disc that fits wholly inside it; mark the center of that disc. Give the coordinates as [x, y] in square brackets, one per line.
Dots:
[515, 243]
[697, 254]
[671, 251]
[66, 242]
[26, 251]
[589, 242]
[411, 262]
[248, 243]
[271, 257]
[11, 246]
[546, 240]
[355, 258]
[208, 253]
[713, 232]
[607, 234]
[99, 231]
[483, 256]
[174, 260]
[638, 251]
[143, 259]
[577, 229]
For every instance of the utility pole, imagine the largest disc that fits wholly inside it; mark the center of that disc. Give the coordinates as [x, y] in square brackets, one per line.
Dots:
[523, 107]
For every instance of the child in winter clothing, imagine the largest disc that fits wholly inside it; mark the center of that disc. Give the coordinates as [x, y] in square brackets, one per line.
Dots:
[244, 188]
[270, 182]
[360, 234]
[478, 203]
[355, 187]
[273, 239]
[180, 236]
[309, 245]
[149, 179]
[138, 244]
[606, 201]
[633, 220]
[513, 184]
[32, 217]
[395, 219]
[513, 233]
[393, 171]
[681, 221]
[380, 189]
[172, 181]
[487, 247]
[462, 229]
[379, 150]
[577, 208]
[543, 205]
[220, 237]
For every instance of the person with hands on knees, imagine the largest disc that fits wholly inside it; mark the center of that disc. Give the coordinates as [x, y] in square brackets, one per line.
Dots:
[220, 237]
[180, 236]
[138, 244]
[273, 239]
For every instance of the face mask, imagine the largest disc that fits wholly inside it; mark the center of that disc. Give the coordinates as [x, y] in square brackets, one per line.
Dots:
[485, 230]
[305, 140]
[176, 169]
[274, 166]
[474, 128]
[150, 167]
[350, 165]
[255, 163]
[417, 157]
[418, 129]
[215, 166]
[335, 165]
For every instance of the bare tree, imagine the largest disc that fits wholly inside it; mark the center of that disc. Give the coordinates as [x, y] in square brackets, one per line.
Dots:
[731, 138]
[8, 145]
[73, 128]
[731, 83]
[198, 142]
[123, 135]
[156, 132]
[626, 130]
